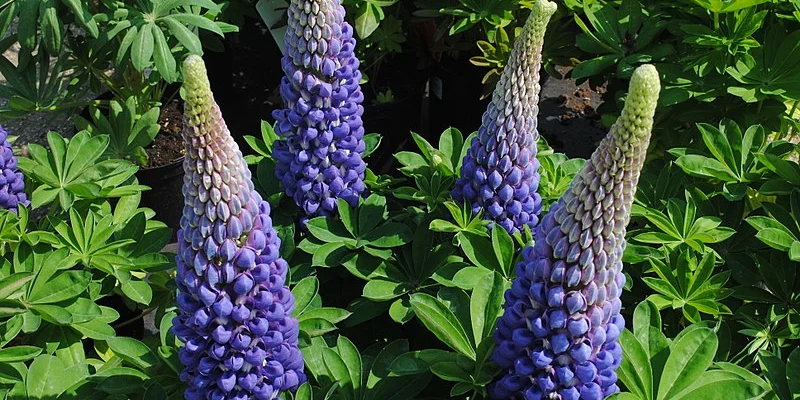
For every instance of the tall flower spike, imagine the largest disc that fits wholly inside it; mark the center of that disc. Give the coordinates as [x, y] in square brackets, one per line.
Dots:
[234, 306]
[319, 158]
[499, 174]
[12, 182]
[557, 338]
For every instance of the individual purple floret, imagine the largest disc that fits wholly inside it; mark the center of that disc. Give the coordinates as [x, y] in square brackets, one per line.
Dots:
[12, 182]
[499, 174]
[234, 305]
[319, 158]
[557, 339]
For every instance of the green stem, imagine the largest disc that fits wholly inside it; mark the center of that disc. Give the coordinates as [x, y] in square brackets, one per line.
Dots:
[136, 318]
[760, 104]
[72, 105]
[716, 21]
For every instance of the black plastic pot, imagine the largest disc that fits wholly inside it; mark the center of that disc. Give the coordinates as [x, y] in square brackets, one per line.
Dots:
[165, 196]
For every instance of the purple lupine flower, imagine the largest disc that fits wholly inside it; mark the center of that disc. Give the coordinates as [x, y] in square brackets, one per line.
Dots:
[557, 338]
[499, 174]
[234, 305]
[12, 182]
[319, 158]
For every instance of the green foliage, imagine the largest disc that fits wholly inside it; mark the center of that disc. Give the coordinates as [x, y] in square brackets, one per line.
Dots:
[138, 42]
[434, 170]
[344, 373]
[71, 171]
[368, 15]
[685, 283]
[315, 320]
[491, 15]
[656, 368]
[413, 282]
[680, 226]
[130, 129]
[144, 27]
[623, 37]
[771, 70]
[783, 377]
[361, 240]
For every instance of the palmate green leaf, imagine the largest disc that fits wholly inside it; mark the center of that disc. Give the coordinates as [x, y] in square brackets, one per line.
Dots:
[691, 353]
[352, 358]
[10, 284]
[480, 252]
[724, 6]
[199, 22]
[504, 250]
[793, 372]
[82, 14]
[384, 289]
[647, 328]
[330, 314]
[772, 70]
[338, 371]
[53, 314]
[486, 305]
[400, 311]
[720, 385]
[776, 238]
[94, 329]
[635, 371]
[132, 351]
[775, 371]
[718, 143]
[18, 353]
[143, 46]
[368, 18]
[304, 292]
[69, 169]
[162, 55]
[186, 37]
[436, 316]
[329, 230]
[452, 371]
[624, 396]
[314, 327]
[420, 361]
[138, 291]
[63, 286]
[48, 377]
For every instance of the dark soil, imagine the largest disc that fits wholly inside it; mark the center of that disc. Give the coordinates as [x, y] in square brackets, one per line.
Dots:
[568, 117]
[168, 144]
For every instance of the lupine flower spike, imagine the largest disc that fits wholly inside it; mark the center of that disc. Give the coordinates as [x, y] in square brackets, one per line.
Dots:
[318, 159]
[499, 174]
[558, 336]
[12, 182]
[234, 305]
